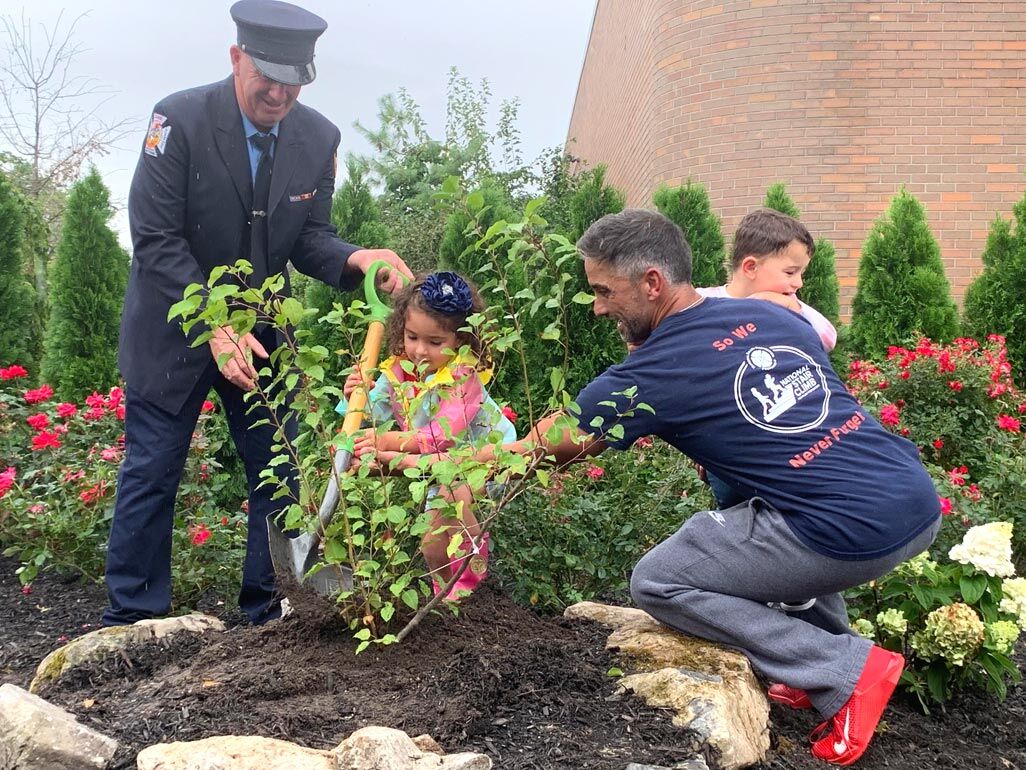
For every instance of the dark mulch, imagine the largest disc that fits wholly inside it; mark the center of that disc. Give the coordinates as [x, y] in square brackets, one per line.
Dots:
[531, 692]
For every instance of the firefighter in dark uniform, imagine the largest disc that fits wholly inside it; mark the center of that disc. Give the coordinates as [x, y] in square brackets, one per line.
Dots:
[232, 170]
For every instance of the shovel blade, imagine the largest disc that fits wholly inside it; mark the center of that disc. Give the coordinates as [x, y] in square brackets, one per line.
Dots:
[294, 557]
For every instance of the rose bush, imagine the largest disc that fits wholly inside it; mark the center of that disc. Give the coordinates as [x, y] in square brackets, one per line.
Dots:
[959, 405]
[57, 490]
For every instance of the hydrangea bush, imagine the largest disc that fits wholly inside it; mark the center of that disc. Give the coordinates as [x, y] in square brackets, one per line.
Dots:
[956, 621]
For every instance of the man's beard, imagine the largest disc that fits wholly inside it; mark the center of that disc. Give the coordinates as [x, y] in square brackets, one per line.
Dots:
[633, 331]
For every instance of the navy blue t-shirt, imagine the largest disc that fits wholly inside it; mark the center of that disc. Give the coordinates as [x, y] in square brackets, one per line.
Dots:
[745, 388]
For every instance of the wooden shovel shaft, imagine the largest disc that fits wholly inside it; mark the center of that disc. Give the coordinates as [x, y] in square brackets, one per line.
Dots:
[355, 408]
[368, 363]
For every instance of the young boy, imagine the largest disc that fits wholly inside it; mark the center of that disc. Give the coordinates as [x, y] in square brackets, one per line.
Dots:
[771, 252]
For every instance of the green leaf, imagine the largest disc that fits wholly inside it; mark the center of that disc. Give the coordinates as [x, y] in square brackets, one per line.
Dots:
[583, 298]
[335, 552]
[410, 599]
[936, 680]
[185, 307]
[292, 309]
[972, 587]
[614, 671]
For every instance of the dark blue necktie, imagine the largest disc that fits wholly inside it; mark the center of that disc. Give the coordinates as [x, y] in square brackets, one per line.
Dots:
[261, 195]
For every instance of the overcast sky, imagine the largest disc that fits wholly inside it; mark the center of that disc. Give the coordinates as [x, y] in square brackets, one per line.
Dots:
[530, 49]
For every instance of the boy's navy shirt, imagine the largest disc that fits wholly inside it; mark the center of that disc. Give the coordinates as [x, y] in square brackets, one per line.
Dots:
[745, 388]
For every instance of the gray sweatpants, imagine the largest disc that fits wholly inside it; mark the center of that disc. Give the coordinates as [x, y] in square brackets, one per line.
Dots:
[714, 576]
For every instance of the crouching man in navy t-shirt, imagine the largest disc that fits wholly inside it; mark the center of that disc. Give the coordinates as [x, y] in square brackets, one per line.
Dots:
[744, 388]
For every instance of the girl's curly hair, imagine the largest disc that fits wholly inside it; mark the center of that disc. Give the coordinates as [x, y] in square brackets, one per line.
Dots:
[411, 297]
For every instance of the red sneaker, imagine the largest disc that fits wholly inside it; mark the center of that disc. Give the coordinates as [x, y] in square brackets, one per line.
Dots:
[789, 696]
[851, 728]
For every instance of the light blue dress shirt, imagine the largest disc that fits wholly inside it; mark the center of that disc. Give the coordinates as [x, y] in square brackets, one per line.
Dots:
[254, 151]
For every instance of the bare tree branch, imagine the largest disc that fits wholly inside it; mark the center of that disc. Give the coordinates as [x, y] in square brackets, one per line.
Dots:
[50, 116]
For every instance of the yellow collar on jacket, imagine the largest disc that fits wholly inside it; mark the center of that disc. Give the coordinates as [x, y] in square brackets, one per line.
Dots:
[440, 378]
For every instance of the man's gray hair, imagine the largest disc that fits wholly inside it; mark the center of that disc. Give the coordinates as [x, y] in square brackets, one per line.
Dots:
[636, 239]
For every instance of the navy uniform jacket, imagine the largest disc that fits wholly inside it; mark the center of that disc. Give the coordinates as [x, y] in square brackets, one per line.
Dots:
[189, 210]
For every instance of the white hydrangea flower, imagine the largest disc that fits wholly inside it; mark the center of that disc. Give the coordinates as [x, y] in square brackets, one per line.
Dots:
[988, 548]
[1013, 599]
[1002, 635]
[954, 633]
[864, 628]
[892, 622]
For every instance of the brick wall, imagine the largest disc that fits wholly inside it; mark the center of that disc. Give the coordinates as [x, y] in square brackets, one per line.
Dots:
[842, 101]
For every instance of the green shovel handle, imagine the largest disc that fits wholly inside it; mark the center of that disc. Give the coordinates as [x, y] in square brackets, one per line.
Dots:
[378, 309]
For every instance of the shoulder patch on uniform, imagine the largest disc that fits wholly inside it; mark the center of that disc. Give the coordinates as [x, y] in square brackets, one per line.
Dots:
[156, 136]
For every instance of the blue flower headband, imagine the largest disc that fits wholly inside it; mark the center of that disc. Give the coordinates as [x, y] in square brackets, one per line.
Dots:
[447, 293]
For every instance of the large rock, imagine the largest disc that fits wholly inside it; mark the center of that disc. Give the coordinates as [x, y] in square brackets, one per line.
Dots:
[96, 645]
[233, 752]
[712, 689]
[370, 748]
[382, 748]
[36, 735]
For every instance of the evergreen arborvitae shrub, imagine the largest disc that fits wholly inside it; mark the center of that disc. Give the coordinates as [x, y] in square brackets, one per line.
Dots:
[594, 344]
[902, 291]
[994, 302]
[689, 206]
[18, 341]
[820, 287]
[87, 287]
[357, 218]
[591, 200]
[457, 251]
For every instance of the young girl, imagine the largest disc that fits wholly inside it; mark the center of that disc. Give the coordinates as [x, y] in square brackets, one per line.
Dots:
[433, 387]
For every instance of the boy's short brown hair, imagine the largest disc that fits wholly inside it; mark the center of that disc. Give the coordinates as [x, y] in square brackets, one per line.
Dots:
[764, 231]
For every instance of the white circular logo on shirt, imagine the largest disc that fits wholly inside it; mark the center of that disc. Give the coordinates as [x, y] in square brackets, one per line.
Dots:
[771, 384]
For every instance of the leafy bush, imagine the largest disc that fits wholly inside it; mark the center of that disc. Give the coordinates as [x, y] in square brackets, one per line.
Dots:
[902, 291]
[689, 207]
[993, 302]
[60, 464]
[956, 621]
[580, 537]
[87, 287]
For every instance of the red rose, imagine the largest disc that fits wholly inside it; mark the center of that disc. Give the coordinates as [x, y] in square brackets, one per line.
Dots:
[38, 421]
[40, 394]
[938, 443]
[94, 493]
[13, 372]
[199, 534]
[7, 480]
[890, 414]
[66, 410]
[208, 406]
[45, 440]
[509, 414]
[945, 504]
[1006, 422]
[594, 472]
